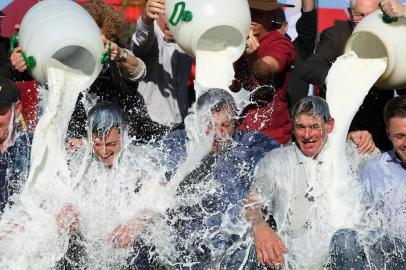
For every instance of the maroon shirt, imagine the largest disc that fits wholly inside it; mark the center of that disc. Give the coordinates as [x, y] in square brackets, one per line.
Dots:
[270, 114]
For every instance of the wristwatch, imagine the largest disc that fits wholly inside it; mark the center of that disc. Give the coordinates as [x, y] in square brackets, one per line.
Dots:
[123, 56]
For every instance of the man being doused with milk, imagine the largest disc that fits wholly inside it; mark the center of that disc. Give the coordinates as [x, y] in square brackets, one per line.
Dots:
[214, 165]
[293, 184]
[102, 219]
[100, 209]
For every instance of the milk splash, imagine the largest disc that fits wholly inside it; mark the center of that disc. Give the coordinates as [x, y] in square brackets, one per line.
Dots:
[45, 191]
[214, 69]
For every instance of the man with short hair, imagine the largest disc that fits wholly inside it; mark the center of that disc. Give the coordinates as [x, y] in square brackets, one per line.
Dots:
[107, 180]
[15, 143]
[219, 180]
[291, 182]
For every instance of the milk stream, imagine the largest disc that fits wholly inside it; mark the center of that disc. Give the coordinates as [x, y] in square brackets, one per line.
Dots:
[348, 82]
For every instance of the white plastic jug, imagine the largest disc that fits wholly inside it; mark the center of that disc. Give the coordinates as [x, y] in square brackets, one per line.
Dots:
[372, 38]
[212, 25]
[63, 30]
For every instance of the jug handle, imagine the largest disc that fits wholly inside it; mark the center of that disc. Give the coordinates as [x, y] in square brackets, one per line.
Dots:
[13, 42]
[29, 60]
[105, 57]
[183, 15]
[386, 18]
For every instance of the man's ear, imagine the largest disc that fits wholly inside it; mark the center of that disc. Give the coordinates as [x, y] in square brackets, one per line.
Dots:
[330, 125]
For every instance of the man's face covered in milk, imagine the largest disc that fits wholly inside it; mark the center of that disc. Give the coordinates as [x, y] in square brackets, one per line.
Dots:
[311, 133]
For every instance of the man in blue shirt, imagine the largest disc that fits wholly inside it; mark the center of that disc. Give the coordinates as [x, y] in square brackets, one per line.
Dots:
[384, 182]
[15, 143]
[210, 192]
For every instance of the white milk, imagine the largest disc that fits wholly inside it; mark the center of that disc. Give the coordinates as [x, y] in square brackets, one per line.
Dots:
[36, 245]
[348, 82]
[214, 69]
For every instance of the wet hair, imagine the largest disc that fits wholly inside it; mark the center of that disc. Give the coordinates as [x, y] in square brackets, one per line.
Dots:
[111, 22]
[104, 116]
[395, 107]
[312, 105]
[217, 100]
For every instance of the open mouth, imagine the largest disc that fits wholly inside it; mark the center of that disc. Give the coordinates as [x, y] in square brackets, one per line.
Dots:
[104, 158]
[309, 143]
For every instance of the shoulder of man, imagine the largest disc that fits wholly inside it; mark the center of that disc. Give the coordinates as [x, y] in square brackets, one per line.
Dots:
[255, 138]
[341, 29]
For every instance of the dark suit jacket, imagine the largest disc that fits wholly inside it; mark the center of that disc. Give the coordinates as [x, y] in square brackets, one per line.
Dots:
[305, 42]
[331, 46]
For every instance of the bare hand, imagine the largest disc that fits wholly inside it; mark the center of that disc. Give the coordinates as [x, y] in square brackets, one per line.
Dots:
[115, 50]
[17, 60]
[393, 8]
[123, 236]
[268, 245]
[363, 140]
[68, 219]
[152, 10]
[252, 43]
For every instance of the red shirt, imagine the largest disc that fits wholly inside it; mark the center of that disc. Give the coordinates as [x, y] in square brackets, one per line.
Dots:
[270, 115]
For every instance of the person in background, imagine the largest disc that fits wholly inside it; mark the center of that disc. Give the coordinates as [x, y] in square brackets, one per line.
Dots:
[164, 88]
[264, 71]
[304, 43]
[6, 69]
[331, 46]
[15, 143]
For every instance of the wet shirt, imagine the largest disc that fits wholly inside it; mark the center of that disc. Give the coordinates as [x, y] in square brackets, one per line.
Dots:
[213, 192]
[384, 181]
[164, 88]
[14, 166]
[293, 188]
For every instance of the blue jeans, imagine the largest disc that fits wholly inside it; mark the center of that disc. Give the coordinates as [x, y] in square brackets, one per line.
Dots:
[346, 252]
